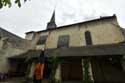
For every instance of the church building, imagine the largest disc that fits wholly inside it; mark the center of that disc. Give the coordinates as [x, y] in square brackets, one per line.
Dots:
[90, 51]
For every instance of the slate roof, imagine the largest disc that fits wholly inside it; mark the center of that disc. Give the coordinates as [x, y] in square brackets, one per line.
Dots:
[28, 54]
[83, 51]
[93, 50]
[13, 39]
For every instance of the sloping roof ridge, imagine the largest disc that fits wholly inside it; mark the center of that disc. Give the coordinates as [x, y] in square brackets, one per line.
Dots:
[24, 53]
[97, 19]
[10, 33]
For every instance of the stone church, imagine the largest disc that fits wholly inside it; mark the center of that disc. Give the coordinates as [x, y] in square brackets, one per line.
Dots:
[90, 51]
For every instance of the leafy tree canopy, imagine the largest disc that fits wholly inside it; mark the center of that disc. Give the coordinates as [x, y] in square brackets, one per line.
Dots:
[9, 3]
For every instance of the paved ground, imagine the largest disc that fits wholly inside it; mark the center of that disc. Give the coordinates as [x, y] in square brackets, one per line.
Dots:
[42, 82]
[19, 80]
[32, 82]
[13, 80]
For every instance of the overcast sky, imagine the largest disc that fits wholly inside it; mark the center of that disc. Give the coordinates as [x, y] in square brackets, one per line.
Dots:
[34, 14]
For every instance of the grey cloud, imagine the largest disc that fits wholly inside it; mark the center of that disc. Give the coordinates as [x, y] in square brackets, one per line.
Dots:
[34, 15]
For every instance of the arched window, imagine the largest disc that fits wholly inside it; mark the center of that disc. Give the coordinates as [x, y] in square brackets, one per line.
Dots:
[88, 38]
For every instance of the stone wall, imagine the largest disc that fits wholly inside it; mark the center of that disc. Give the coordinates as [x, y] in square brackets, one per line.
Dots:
[36, 39]
[103, 31]
[4, 55]
[11, 40]
[7, 51]
[11, 45]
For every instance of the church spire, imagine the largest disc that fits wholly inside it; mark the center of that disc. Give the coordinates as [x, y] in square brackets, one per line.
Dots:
[53, 17]
[52, 23]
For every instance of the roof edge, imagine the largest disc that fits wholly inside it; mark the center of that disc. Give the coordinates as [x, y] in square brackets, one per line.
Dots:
[101, 18]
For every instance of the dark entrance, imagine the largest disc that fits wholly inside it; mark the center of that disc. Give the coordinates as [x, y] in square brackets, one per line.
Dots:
[47, 70]
[18, 68]
[107, 69]
[71, 71]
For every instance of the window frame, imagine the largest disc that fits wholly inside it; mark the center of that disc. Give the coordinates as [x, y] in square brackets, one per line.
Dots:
[88, 38]
[62, 42]
[42, 40]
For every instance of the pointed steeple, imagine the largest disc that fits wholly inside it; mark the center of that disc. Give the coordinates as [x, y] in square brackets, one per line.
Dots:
[53, 17]
[52, 23]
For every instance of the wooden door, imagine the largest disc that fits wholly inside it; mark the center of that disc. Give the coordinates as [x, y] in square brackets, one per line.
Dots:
[106, 70]
[72, 72]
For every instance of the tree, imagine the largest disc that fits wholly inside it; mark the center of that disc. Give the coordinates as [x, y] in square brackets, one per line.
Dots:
[8, 3]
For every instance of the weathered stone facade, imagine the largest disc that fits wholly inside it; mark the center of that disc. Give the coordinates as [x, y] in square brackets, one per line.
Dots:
[102, 32]
[78, 61]
[106, 35]
[11, 45]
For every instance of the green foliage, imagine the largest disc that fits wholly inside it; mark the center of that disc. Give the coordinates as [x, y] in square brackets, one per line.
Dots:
[87, 78]
[54, 62]
[9, 3]
[18, 2]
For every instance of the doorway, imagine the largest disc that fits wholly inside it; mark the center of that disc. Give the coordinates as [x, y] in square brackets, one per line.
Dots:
[107, 69]
[71, 71]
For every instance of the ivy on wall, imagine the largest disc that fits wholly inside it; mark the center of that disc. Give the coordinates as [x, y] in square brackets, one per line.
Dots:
[54, 64]
[87, 78]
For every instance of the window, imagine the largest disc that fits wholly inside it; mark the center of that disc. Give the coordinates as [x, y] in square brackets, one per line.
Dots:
[63, 41]
[33, 36]
[88, 38]
[42, 40]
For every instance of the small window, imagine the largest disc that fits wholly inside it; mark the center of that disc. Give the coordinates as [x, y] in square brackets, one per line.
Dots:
[88, 38]
[33, 36]
[63, 41]
[42, 40]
